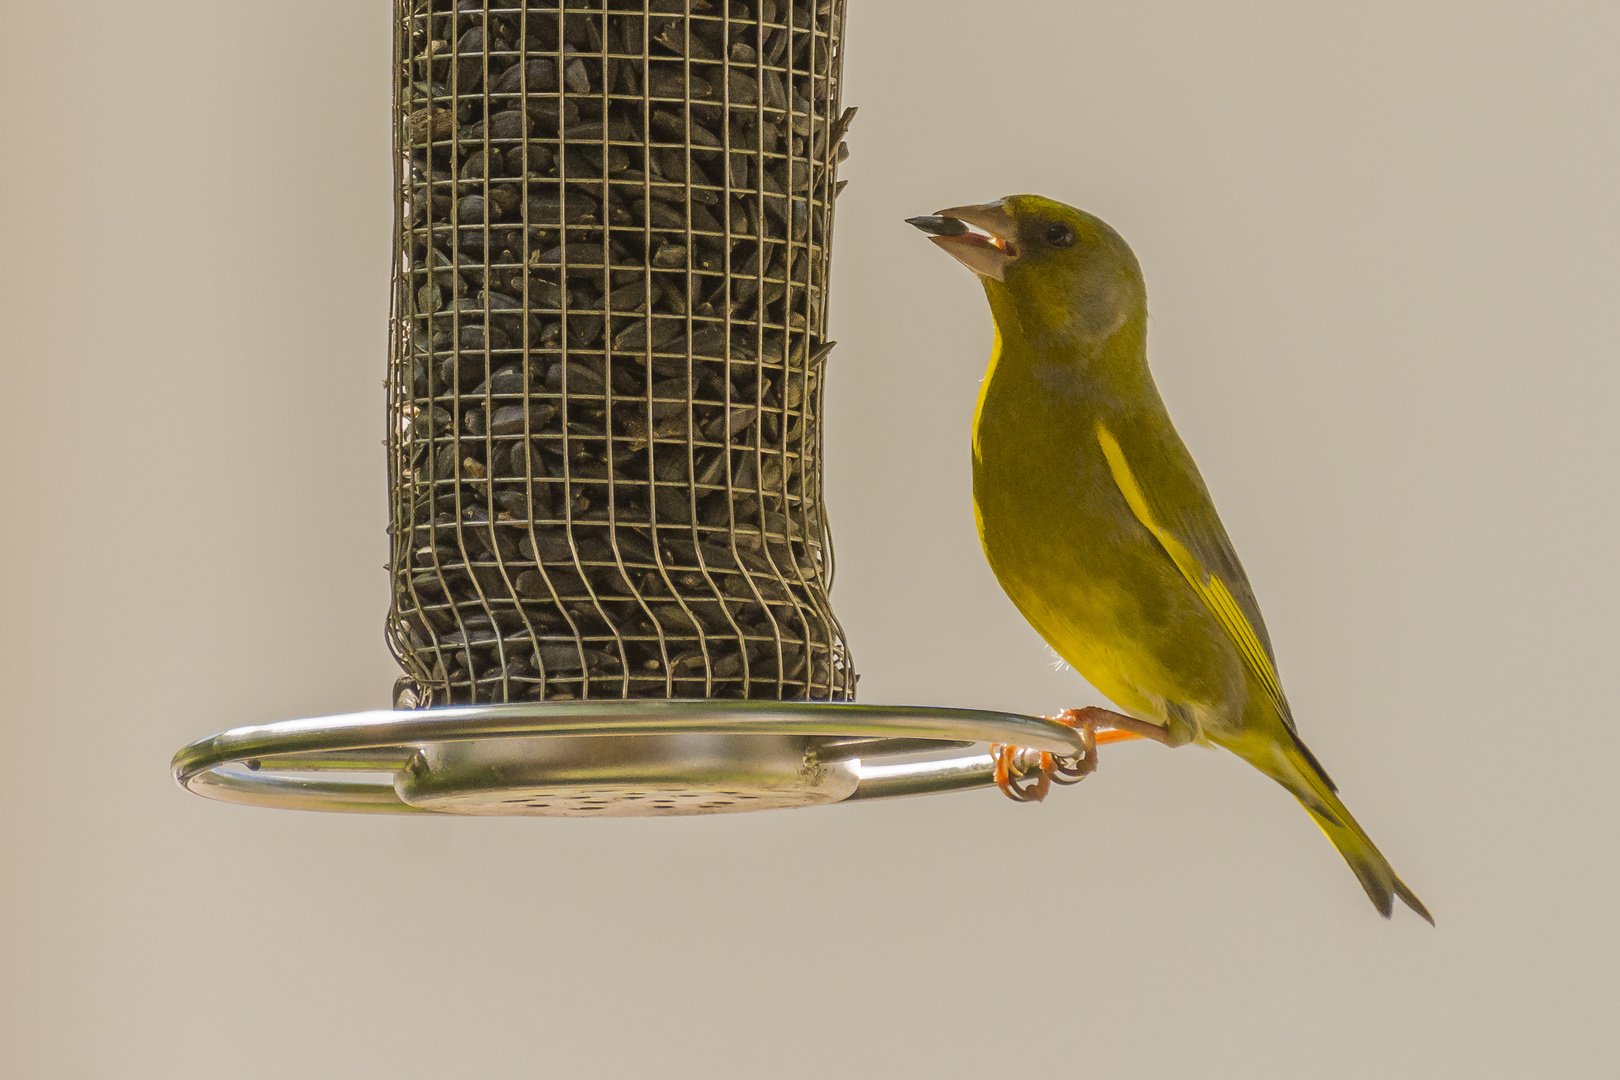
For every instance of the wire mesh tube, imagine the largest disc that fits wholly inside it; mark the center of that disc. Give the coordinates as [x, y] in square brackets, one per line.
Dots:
[608, 347]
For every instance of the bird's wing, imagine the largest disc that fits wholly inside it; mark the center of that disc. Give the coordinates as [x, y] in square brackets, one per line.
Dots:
[1198, 545]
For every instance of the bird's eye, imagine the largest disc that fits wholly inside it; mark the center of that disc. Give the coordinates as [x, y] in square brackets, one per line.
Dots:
[1060, 236]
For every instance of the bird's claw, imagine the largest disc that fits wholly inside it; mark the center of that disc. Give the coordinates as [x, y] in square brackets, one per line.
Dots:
[1026, 775]
[1072, 770]
[1021, 773]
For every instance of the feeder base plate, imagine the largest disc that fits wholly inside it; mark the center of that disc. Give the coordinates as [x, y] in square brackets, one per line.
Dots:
[622, 775]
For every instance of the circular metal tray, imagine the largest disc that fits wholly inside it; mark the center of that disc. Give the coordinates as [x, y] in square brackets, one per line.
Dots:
[612, 758]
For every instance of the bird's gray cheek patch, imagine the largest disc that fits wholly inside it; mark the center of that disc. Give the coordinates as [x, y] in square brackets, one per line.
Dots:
[1101, 311]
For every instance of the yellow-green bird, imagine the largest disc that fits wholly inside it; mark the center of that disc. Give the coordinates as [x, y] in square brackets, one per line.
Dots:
[1097, 523]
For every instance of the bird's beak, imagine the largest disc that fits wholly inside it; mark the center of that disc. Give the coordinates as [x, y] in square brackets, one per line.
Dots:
[981, 238]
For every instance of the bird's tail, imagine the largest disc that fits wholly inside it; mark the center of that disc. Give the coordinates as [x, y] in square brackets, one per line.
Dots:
[1296, 768]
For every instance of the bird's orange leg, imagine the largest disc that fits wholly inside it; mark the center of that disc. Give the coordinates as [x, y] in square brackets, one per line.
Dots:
[1117, 727]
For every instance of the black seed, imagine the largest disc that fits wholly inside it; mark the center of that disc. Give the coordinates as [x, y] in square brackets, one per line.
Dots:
[540, 75]
[511, 419]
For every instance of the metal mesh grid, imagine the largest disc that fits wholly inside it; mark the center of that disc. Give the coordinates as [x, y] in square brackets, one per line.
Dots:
[608, 349]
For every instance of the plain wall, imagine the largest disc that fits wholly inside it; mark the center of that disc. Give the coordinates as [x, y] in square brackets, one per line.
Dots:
[1382, 248]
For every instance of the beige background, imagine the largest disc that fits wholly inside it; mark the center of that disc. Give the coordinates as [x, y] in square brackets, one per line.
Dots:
[1381, 251]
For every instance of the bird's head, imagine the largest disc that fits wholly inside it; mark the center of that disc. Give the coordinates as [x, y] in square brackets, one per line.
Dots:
[1056, 269]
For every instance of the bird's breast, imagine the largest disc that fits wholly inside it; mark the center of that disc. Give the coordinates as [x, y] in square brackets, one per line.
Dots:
[1041, 496]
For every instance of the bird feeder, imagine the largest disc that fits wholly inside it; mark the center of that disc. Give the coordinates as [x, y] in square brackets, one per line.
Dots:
[610, 555]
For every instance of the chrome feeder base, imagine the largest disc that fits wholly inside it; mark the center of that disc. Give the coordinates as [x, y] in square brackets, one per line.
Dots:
[604, 759]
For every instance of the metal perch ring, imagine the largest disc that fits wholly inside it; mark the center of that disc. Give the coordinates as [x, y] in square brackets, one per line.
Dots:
[608, 758]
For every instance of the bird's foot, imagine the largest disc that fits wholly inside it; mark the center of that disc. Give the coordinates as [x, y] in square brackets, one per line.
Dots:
[1020, 772]
[1026, 775]
[1072, 770]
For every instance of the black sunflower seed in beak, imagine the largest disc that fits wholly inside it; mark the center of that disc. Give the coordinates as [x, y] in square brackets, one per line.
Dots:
[936, 225]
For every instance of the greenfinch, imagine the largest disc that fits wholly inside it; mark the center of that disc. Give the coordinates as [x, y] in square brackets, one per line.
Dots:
[1098, 525]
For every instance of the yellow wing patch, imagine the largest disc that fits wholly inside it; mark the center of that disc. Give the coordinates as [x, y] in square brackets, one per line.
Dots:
[1210, 588]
